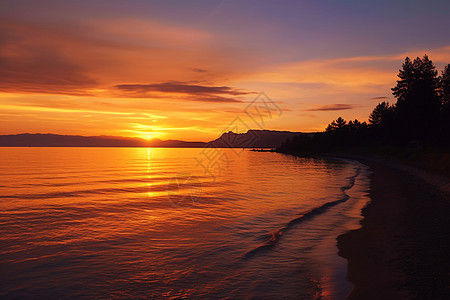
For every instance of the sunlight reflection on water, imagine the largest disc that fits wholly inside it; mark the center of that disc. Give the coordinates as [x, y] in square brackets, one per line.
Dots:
[98, 222]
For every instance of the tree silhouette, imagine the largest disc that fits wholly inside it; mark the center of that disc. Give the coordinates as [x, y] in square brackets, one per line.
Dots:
[444, 93]
[337, 124]
[380, 113]
[355, 126]
[402, 90]
[444, 86]
[421, 113]
[418, 104]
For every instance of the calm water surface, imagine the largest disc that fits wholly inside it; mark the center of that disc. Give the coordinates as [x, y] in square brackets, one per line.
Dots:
[149, 223]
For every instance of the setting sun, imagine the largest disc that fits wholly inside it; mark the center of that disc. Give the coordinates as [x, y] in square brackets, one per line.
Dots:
[147, 136]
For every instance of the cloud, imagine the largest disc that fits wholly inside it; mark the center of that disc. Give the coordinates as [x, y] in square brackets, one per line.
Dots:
[43, 72]
[332, 107]
[212, 98]
[179, 87]
[379, 98]
[359, 74]
[150, 32]
[194, 92]
[198, 70]
[30, 64]
[84, 57]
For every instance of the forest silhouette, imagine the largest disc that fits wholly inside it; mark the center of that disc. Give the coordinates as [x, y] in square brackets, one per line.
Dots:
[419, 119]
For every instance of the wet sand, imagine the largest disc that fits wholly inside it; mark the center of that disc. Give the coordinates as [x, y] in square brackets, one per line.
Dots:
[402, 250]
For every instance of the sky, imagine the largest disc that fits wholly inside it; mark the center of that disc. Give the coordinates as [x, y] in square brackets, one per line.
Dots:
[187, 69]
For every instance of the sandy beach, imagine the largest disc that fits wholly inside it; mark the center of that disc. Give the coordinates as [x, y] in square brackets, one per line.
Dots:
[402, 250]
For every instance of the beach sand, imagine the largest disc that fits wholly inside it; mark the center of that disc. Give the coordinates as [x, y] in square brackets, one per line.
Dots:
[402, 250]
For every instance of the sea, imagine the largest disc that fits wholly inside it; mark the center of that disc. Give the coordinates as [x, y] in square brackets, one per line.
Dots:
[175, 223]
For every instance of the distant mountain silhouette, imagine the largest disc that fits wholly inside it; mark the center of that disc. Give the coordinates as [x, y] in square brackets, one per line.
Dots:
[250, 139]
[254, 139]
[56, 140]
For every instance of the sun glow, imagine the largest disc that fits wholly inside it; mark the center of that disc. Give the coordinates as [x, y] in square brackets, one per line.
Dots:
[149, 136]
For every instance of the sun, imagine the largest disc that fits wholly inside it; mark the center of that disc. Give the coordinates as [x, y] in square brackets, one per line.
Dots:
[146, 134]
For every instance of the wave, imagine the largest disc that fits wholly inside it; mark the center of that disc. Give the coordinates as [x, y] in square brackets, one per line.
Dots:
[275, 235]
[101, 191]
[154, 184]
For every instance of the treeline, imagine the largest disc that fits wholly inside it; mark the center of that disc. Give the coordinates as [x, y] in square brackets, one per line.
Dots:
[419, 118]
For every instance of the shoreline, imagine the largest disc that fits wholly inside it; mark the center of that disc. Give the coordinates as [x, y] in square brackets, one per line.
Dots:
[400, 251]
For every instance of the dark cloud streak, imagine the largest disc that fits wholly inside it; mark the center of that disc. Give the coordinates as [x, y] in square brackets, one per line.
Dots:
[194, 92]
[332, 107]
[179, 87]
[198, 70]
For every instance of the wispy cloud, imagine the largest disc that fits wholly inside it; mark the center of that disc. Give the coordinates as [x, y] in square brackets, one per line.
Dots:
[179, 87]
[199, 70]
[31, 62]
[194, 92]
[332, 107]
[78, 58]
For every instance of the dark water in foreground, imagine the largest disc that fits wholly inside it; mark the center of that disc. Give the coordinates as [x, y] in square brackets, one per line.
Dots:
[112, 222]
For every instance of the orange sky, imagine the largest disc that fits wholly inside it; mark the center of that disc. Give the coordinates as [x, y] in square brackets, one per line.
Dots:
[129, 74]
